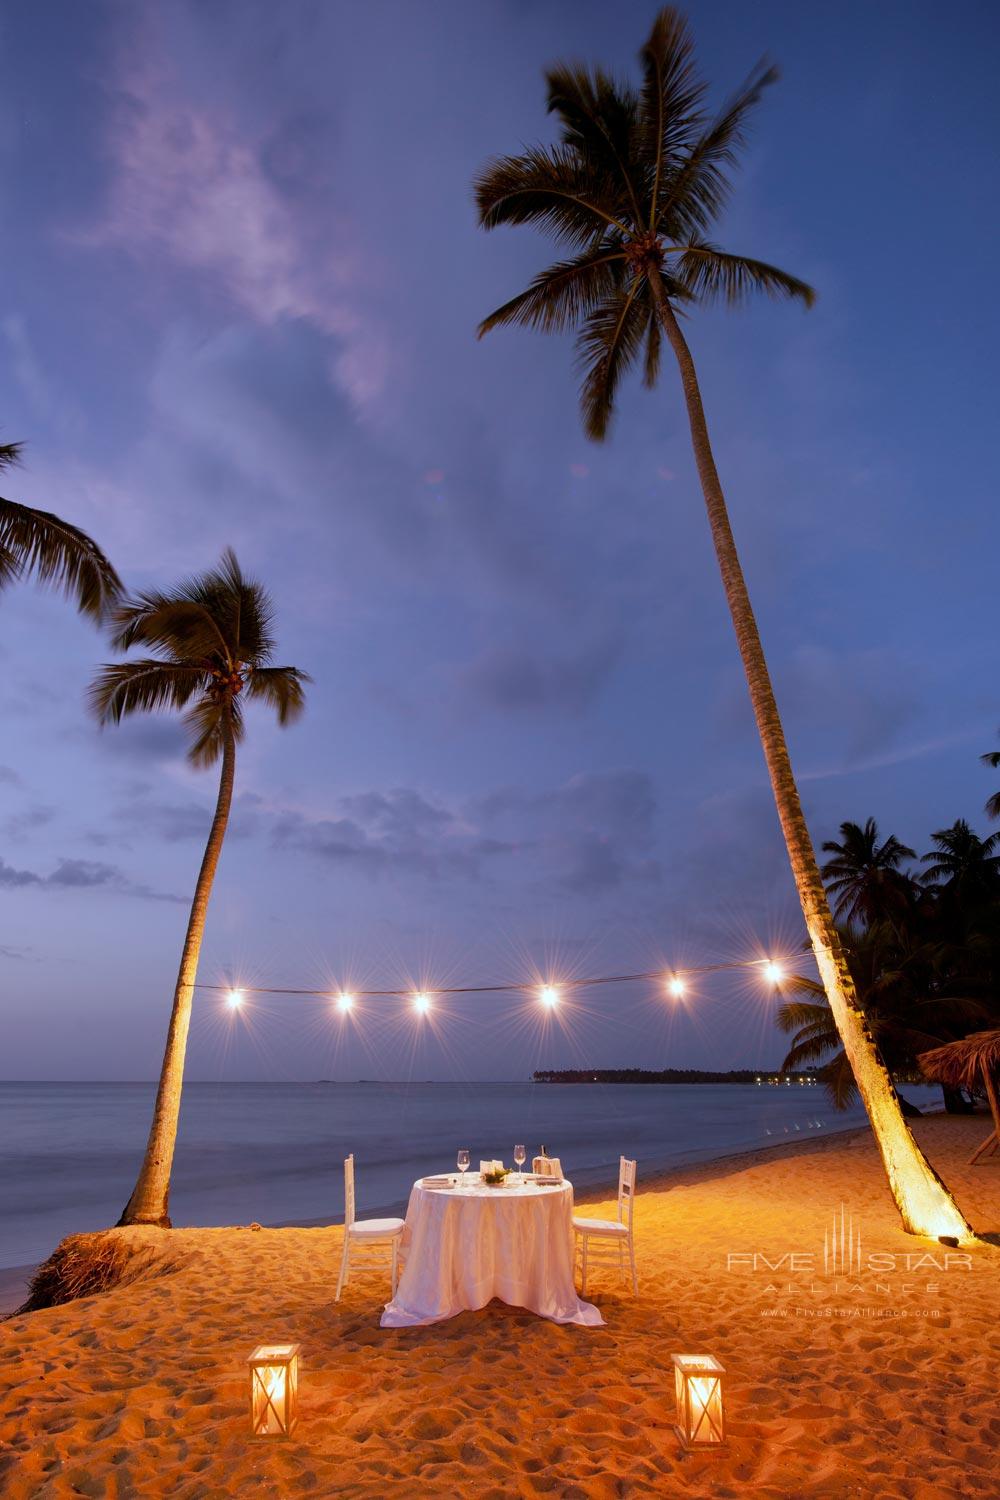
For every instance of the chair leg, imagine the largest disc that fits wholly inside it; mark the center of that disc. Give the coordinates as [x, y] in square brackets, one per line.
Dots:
[395, 1266]
[583, 1278]
[344, 1259]
[635, 1279]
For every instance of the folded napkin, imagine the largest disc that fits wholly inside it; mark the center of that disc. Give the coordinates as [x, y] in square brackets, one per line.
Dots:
[437, 1182]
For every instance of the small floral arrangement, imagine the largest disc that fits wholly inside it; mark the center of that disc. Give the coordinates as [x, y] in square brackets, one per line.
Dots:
[497, 1177]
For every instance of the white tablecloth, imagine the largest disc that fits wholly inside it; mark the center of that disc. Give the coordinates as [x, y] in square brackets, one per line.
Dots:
[466, 1245]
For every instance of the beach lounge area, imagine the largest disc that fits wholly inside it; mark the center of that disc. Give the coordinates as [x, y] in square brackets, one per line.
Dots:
[879, 1384]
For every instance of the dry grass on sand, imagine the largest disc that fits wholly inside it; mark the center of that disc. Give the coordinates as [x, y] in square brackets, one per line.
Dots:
[881, 1392]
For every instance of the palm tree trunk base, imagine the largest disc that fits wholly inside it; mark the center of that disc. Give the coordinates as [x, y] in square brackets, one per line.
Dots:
[127, 1219]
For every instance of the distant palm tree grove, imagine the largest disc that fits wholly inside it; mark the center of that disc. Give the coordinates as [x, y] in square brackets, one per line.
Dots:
[922, 937]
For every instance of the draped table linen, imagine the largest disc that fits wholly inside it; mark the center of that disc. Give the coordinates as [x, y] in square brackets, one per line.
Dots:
[465, 1245]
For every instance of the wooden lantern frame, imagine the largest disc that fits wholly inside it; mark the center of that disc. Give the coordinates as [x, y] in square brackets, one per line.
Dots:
[701, 1421]
[274, 1389]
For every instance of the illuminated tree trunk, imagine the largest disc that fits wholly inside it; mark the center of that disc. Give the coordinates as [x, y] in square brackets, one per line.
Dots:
[148, 1203]
[925, 1203]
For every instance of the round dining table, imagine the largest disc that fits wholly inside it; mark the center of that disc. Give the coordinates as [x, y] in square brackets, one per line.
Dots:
[466, 1243]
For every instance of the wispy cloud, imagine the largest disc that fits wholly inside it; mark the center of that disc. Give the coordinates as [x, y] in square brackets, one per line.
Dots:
[81, 874]
[192, 184]
[593, 833]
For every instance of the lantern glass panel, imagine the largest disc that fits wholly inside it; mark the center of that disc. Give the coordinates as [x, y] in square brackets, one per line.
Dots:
[698, 1390]
[274, 1382]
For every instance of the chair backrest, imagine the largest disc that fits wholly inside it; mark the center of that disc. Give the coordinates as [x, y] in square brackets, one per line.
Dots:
[626, 1190]
[348, 1190]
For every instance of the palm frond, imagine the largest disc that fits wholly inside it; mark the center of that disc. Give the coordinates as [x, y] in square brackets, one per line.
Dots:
[551, 188]
[599, 123]
[838, 1076]
[207, 722]
[281, 688]
[799, 1015]
[179, 627]
[10, 454]
[695, 192]
[59, 555]
[808, 1050]
[669, 107]
[609, 343]
[993, 806]
[565, 292]
[10, 572]
[220, 616]
[711, 274]
[991, 758]
[128, 687]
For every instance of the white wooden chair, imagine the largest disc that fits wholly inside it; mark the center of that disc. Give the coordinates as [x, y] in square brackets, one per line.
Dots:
[372, 1237]
[611, 1237]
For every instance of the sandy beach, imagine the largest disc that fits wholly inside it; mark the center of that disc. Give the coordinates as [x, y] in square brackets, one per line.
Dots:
[877, 1384]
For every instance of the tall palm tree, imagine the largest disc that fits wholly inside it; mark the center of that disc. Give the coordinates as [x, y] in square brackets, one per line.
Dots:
[864, 875]
[631, 191]
[211, 649]
[37, 543]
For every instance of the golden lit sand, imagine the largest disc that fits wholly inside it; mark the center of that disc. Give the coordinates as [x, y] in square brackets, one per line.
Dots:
[142, 1391]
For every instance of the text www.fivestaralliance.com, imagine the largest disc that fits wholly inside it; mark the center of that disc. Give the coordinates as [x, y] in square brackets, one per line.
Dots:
[849, 1312]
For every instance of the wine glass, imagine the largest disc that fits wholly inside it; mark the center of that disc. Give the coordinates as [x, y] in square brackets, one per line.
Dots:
[519, 1156]
[463, 1163]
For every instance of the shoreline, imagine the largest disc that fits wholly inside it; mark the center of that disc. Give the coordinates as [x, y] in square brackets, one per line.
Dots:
[880, 1382]
[587, 1181]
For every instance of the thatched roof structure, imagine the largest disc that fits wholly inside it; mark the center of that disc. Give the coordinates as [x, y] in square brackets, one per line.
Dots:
[964, 1064]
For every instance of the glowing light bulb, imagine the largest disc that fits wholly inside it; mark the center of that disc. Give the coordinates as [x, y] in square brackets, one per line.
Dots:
[773, 972]
[676, 986]
[234, 999]
[549, 996]
[421, 1003]
[345, 1001]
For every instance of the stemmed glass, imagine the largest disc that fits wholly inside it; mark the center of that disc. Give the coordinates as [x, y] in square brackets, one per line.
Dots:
[463, 1163]
[519, 1156]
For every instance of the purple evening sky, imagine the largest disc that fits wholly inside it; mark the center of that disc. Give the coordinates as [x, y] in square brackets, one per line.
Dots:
[240, 283]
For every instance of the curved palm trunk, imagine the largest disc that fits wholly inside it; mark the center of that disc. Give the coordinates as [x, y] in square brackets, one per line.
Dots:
[148, 1203]
[925, 1203]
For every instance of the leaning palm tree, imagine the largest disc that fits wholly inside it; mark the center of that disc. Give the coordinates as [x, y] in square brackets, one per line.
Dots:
[35, 543]
[211, 649]
[631, 191]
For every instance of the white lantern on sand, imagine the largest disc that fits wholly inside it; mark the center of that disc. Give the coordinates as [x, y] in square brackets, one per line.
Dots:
[274, 1389]
[698, 1386]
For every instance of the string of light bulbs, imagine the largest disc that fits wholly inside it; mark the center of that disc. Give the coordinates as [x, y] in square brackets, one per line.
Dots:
[549, 992]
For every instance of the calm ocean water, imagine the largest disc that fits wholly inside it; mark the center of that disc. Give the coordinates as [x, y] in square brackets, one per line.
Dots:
[272, 1152]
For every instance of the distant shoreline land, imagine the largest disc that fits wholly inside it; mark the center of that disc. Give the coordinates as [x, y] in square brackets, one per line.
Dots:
[669, 1075]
